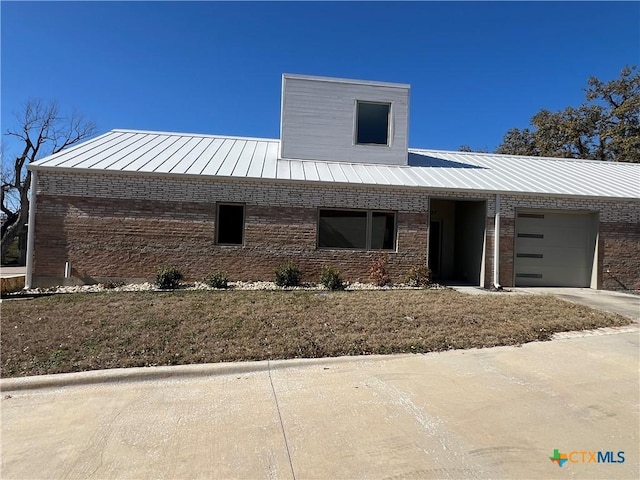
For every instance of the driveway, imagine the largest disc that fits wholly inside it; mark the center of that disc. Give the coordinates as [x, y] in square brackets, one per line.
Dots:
[491, 413]
[625, 304]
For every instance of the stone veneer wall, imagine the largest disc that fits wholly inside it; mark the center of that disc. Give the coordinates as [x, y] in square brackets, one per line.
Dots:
[123, 226]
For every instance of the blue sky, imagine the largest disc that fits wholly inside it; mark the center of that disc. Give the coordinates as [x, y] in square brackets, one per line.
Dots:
[476, 69]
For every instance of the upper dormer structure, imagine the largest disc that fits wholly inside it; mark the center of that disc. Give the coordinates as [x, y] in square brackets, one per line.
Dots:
[333, 119]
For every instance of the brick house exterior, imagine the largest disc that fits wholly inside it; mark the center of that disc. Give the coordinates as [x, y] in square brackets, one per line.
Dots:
[108, 219]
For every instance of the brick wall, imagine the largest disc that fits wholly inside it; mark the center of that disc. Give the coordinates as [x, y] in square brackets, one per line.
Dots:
[124, 232]
[619, 256]
[124, 226]
[619, 236]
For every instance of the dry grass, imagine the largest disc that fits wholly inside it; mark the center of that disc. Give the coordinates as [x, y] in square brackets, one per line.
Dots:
[76, 332]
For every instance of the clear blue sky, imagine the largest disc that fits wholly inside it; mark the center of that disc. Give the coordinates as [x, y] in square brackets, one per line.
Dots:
[476, 69]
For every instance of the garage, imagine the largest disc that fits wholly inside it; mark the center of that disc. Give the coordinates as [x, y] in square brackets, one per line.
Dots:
[554, 248]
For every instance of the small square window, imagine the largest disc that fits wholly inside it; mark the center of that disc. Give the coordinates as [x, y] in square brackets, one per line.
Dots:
[230, 225]
[372, 123]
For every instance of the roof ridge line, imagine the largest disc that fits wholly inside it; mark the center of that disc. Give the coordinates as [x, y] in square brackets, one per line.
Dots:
[189, 134]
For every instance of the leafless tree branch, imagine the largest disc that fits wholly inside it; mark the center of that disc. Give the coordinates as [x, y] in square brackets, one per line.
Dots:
[42, 131]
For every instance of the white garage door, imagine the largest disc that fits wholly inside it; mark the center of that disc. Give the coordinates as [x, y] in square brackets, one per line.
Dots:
[554, 249]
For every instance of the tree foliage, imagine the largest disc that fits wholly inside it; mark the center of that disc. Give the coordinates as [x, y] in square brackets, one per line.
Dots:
[40, 130]
[605, 127]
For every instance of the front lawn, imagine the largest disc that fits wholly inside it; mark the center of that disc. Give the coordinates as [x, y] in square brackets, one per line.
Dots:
[76, 332]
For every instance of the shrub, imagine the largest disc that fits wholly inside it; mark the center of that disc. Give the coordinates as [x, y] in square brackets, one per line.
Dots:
[378, 271]
[168, 278]
[418, 276]
[288, 275]
[330, 278]
[218, 280]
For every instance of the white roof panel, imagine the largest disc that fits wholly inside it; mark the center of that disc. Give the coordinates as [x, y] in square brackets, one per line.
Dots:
[271, 160]
[297, 170]
[337, 173]
[220, 156]
[183, 152]
[324, 174]
[244, 162]
[199, 164]
[257, 161]
[310, 171]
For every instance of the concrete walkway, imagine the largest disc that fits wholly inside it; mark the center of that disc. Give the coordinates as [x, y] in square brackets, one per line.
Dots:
[12, 279]
[492, 413]
[12, 271]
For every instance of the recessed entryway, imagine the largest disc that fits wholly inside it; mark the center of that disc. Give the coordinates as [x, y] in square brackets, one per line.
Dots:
[456, 241]
[555, 248]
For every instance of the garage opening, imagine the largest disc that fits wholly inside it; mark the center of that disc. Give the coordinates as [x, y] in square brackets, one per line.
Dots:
[457, 241]
[555, 248]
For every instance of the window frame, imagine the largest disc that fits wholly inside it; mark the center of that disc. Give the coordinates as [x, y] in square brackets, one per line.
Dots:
[244, 216]
[356, 123]
[369, 227]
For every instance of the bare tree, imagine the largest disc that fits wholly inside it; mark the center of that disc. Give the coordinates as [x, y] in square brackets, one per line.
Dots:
[40, 131]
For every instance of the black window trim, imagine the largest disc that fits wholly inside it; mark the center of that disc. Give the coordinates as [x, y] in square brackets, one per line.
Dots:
[244, 217]
[369, 213]
[389, 129]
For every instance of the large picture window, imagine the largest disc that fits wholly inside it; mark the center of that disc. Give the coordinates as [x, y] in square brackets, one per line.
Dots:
[356, 229]
[372, 123]
[230, 224]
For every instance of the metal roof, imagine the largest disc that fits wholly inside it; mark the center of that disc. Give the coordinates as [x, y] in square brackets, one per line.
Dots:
[219, 156]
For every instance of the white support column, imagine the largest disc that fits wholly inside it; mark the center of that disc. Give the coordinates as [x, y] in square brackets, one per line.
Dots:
[31, 229]
[496, 245]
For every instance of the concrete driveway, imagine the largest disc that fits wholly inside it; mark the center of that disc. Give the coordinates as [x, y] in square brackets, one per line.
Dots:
[625, 304]
[492, 413]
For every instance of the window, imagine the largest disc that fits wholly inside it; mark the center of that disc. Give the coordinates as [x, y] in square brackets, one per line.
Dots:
[230, 225]
[342, 229]
[383, 230]
[372, 123]
[356, 229]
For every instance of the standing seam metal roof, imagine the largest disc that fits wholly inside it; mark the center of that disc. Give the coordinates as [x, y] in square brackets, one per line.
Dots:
[220, 156]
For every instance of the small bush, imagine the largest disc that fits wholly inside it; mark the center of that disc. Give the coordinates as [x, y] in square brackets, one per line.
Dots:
[378, 271]
[418, 276]
[288, 275]
[330, 278]
[218, 280]
[111, 284]
[168, 278]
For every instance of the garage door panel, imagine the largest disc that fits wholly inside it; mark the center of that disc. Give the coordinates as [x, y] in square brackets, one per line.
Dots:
[552, 277]
[553, 255]
[553, 249]
[574, 237]
[565, 220]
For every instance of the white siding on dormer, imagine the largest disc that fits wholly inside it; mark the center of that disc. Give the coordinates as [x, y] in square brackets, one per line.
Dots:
[318, 120]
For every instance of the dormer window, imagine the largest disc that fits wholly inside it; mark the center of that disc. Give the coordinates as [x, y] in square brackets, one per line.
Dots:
[372, 123]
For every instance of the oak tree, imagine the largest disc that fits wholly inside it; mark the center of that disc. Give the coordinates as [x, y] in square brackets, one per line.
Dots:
[605, 127]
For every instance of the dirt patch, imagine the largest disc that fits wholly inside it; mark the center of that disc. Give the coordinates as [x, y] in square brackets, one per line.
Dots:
[77, 332]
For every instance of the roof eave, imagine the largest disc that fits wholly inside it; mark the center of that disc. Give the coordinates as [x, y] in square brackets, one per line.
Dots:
[41, 168]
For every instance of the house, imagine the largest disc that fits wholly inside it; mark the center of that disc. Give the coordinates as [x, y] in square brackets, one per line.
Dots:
[338, 187]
